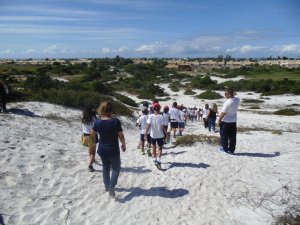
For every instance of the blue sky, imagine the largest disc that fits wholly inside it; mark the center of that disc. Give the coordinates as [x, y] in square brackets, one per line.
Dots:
[149, 28]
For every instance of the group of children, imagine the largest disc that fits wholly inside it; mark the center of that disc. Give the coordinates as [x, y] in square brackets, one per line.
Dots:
[155, 130]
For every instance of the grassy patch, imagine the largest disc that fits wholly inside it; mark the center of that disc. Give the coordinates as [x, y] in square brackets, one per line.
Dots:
[277, 132]
[287, 112]
[209, 95]
[189, 92]
[249, 100]
[254, 107]
[190, 139]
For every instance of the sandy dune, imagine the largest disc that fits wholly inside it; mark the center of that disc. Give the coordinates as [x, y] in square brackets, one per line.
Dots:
[44, 177]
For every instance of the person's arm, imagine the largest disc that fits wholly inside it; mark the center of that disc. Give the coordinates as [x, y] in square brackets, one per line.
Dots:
[122, 140]
[221, 117]
[146, 131]
[93, 134]
[208, 113]
[164, 130]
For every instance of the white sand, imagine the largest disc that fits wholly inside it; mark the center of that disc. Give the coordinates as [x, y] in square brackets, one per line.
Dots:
[44, 177]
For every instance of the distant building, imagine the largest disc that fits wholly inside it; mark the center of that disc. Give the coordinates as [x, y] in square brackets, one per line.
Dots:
[184, 67]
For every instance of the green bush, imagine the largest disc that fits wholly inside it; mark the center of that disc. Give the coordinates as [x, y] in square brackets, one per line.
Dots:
[254, 107]
[189, 92]
[248, 100]
[174, 87]
[125, 100]
[287, 112]
[192, 138]
[209, 95]
[77, 99]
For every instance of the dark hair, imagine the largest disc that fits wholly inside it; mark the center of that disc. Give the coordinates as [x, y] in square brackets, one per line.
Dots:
[88, 115]
[175, 104]
[230, 92]
[166, 110]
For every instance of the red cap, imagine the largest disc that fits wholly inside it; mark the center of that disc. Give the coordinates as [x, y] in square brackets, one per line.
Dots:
[156, 106]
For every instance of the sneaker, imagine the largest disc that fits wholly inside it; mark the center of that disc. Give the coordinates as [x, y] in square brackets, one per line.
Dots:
[222, 150]
[112, 192]
[91, 169]
[230, 152]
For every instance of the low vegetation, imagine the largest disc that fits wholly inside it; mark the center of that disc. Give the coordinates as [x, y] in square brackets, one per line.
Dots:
[209, 95]
[287, 112]
[106, 76]
[248, 100]
[190, 139]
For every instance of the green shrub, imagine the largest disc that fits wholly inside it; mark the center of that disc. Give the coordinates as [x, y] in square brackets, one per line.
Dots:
[248, 100]
[192, 138]
[77, 99]
[189, 92]
[278, 132]
[174, 87]
[287, 112]
[209, 95]
[125, 100]
[203, 82]
[254, 107]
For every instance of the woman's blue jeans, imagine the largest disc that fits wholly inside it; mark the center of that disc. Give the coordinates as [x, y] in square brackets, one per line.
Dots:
[114, 162]
[211, 124]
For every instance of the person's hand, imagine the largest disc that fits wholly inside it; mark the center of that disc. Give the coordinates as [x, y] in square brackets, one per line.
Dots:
[123, 148]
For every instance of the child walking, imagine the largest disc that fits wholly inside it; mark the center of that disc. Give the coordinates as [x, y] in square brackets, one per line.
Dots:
[142, 123]
[88, 119]
[157, 132]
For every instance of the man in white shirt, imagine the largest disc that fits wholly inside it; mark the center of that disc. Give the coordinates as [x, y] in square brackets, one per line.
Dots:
[227, 121]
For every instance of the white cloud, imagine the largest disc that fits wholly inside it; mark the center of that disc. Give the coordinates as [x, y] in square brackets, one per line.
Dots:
[30, 51]
[291, 49]
[122, 49]
[246, 49]
[7, 52]
[155, 48]
[105, 50]
[54, 49]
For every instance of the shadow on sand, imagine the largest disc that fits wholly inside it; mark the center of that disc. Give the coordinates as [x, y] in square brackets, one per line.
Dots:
[1, 220]
[138, 170]
[191, 165]
[173, 153]
[259, 155]
[154, 191]
[22, 112]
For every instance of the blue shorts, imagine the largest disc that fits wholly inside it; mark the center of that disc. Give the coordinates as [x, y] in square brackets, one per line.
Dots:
[159, 141]
[181, 124]
[174, 124]
[143, 138]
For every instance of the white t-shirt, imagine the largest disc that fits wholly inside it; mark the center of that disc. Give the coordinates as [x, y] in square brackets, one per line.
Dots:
[182, 116]
[166, 118]
[174, 115]
[156, 123]
[230, 108]
[87, 128]
[205, 113]
[142, 121]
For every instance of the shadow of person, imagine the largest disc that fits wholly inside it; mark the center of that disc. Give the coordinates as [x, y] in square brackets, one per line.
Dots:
[173, 153]
[154, 191]
[259, 155]
[22, 112]
[191, 165]
[1, 220]
[139, 170]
